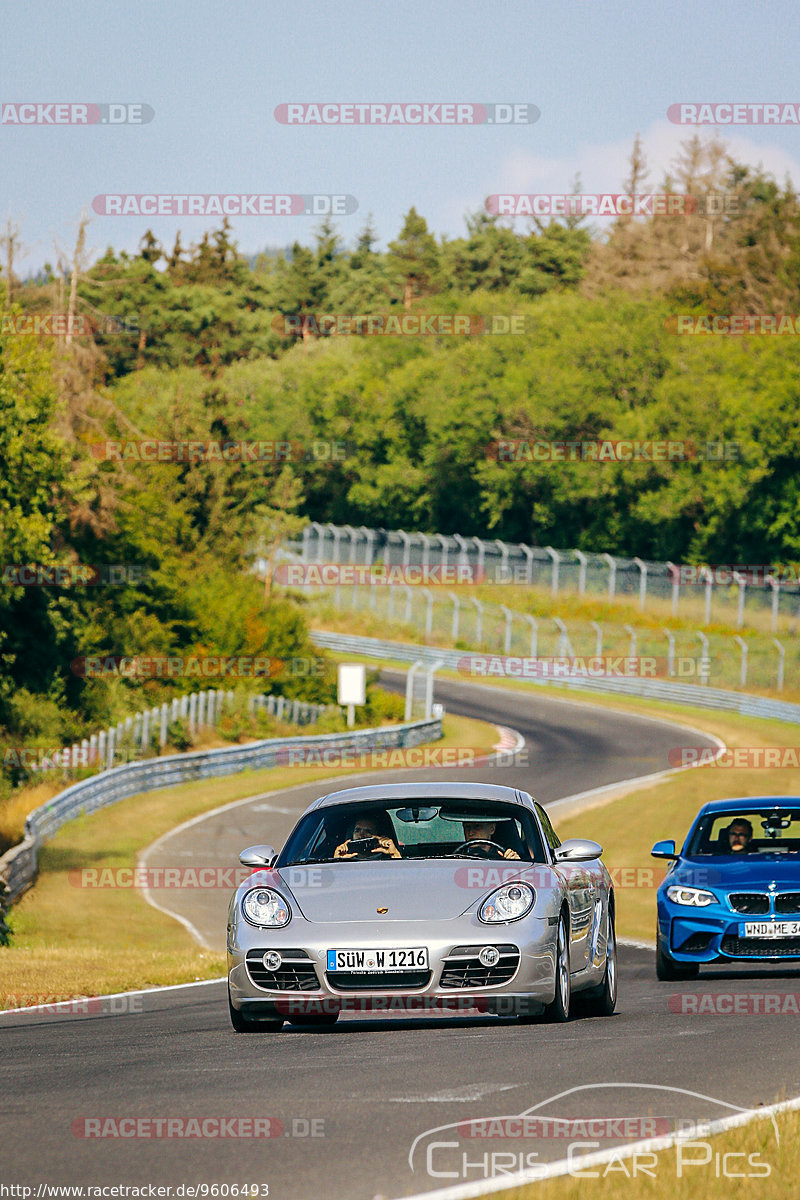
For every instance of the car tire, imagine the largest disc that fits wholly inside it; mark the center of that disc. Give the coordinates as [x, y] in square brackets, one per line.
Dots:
[667, 969]
[558, 1011]
[243, 1024]
[601, 1001]
[319, 1020]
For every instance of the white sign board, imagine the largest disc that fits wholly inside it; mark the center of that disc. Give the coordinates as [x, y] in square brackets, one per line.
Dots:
[352, 683]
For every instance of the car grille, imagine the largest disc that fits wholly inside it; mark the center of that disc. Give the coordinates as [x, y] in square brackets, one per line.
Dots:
[462, 968]
[295, 974]
[749, 902]
[787, 902]
[761, 947]
[344, 981]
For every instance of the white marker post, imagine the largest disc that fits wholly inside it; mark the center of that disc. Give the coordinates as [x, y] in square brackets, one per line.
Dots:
[352, 688]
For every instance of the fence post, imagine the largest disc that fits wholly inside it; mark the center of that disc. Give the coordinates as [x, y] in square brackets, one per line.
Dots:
[409, 595]
[193, 721]
[705, 661]
[429, 673]
[463, 554]
[534, 624]
[369, 551]
[110, 740]
[742, 644]
[741, 581]
[509, 617]
[443, 539]
[503, 561]
[612, 575]
[144, 742]
[412, 670]
[598, 638]
[456, 614]
[526, 550]
[556, 560]
[781, 655]
[642, 582]
[426, 552]
[776, 591]
[709, 578]
[564, 645]
[429, 611]
[406, 547]
[162, 736]
[481, 552]
[632, 635]
[581, 557]
[670, 652]
[676, 585]
[479, 622]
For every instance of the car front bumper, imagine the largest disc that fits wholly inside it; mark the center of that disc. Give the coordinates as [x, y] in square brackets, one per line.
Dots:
[313, 989]
[714, 934]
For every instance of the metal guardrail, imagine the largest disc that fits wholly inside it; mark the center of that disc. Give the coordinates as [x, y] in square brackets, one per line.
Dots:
[654, 689]
[19, 865]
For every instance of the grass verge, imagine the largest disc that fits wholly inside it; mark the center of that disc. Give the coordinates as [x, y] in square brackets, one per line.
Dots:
[99, 940]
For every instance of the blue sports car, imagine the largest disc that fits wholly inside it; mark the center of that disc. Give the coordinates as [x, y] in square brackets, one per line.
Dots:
[732, 894]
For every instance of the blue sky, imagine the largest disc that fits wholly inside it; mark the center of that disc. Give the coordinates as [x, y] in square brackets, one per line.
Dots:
[214, 72]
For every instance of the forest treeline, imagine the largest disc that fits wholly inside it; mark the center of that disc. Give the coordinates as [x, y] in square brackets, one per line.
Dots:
[199, 345]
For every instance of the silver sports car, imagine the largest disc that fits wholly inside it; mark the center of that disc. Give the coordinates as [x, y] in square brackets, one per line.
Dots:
[419, 899]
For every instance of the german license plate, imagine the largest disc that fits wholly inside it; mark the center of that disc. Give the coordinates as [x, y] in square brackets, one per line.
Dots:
[363, 962]
[769, 929]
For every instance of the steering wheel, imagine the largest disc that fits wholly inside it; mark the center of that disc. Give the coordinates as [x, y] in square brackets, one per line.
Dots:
[482, 842]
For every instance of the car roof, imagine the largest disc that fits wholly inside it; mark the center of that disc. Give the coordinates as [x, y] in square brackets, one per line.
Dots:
[749, 803]
[425, 791]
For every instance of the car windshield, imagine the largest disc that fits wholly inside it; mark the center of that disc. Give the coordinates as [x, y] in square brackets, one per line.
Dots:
[417, 829]
[767, 831]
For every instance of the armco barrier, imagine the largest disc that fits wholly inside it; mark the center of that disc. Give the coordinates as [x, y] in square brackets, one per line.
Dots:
[653, 689]
[18, 866]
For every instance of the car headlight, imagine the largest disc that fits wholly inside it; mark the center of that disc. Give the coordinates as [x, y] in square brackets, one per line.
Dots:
[695, 897]
[262, 906]
[508, 903]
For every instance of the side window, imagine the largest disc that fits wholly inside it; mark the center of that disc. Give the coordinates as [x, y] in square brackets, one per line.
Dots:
[553, 840]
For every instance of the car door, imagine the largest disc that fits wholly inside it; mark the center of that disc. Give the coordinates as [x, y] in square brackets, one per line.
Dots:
[582, 897]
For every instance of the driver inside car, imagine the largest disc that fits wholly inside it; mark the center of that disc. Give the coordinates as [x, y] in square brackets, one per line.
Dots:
[482, 832]
[366, 827]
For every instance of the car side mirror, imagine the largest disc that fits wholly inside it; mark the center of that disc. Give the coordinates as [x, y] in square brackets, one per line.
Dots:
[577, 850]
[664, 850]
[258, 856]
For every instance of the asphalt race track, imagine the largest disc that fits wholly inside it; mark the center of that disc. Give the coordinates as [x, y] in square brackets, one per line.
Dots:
[351, 1101]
